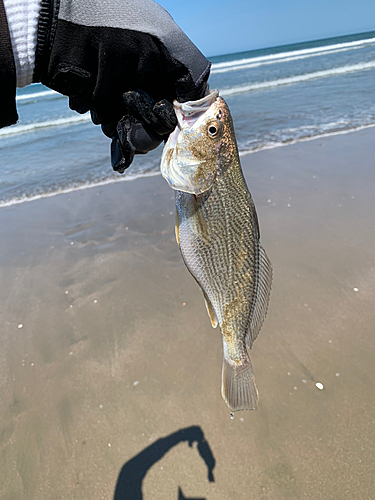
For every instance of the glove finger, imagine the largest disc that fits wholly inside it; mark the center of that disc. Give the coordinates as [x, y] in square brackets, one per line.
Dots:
[94, 117]
[166, 115]
[81, 104]
[120, 161]
[122, 151]
[140, 105]
[130, 138]
[109, 129]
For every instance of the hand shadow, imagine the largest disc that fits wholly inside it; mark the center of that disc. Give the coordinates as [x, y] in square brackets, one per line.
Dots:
[129, 482]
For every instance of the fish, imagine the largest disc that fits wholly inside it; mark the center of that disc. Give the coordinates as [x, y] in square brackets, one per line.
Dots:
[217, 231]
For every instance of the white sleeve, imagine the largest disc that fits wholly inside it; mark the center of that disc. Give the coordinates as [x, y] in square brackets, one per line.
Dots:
[22, 16]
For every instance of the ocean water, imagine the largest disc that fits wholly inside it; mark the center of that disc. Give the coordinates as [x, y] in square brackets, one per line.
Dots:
[277, 96]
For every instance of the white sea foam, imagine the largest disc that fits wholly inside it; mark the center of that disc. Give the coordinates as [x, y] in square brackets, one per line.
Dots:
[113, 180]
[37, 95]
[279, 144]
[30, 127]
[341, 70]
[322, 126]
[72, 120]
[87, 185]
[242, 66]
[283, 55]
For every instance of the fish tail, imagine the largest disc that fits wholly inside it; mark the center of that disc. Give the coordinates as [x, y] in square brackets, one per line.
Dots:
[238, 386]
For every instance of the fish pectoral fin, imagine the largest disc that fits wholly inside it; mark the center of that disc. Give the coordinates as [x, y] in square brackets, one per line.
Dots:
[238, 386]
[262, 296]
[211, 311]
[201, 227]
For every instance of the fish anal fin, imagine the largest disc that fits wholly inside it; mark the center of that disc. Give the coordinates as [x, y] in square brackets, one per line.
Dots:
[211, 311]
[262, 296]
[238, 386]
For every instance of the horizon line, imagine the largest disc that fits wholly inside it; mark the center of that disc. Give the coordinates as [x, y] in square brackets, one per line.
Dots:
[271, 47]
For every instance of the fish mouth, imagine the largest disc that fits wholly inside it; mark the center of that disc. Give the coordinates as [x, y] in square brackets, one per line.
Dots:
[178, 166]
[189, 112]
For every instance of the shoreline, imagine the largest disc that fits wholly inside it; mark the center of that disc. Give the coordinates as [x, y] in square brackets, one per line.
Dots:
[116, 368]
[129, 177]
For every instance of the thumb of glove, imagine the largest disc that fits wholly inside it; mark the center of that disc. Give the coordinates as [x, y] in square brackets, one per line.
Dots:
[131, 138]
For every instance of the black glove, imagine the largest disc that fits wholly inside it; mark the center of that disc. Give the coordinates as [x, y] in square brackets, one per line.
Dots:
[125, 61]
[145, 124]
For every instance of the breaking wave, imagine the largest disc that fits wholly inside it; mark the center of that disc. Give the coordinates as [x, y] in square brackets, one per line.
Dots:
[30, 127]
[130, 177]
[342, 70]
[288, 56]
[17, 200]
[307, 138]
[37, 95]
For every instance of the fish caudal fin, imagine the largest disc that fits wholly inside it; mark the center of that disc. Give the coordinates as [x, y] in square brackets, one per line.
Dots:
[238, 386]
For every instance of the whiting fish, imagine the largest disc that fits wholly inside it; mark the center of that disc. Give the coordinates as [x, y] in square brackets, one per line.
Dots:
[218, 234]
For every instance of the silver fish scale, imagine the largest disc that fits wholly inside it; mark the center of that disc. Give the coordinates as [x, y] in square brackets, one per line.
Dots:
[218, 235]
[219, 239]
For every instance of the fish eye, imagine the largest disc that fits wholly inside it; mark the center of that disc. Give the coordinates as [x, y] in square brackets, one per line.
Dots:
[213, 130]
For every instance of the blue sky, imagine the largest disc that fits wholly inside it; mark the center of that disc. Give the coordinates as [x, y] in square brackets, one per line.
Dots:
[223, 26]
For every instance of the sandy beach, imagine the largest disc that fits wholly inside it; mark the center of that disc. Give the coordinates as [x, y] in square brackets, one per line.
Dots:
[110, 370]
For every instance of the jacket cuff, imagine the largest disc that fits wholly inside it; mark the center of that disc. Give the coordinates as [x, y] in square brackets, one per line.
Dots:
[22, 17]
[8, 114]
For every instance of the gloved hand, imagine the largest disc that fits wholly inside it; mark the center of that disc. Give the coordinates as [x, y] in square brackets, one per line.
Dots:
[125, 61]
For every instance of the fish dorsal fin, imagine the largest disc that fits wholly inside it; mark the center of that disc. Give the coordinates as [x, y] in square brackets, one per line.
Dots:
[211, 311]
[262, 291]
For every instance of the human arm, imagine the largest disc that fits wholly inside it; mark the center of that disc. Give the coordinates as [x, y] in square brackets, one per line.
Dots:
[125, 61]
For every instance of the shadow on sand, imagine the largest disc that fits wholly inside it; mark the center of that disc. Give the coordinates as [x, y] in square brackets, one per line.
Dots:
[129, 482]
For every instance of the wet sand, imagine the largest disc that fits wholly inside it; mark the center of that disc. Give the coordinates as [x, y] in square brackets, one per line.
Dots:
[109, 368]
